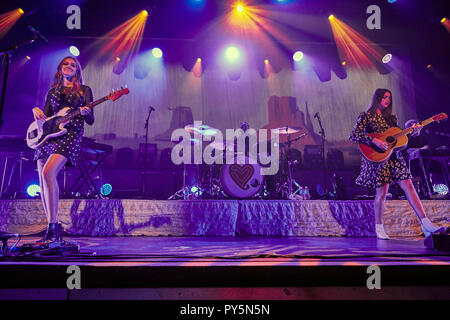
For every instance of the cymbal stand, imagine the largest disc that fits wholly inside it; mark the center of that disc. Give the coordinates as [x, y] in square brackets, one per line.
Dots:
[290, 180]
[181, 193]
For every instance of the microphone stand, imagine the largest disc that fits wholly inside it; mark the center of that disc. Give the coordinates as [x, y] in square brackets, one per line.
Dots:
[150, 109]
[322, 134]
[7, 56]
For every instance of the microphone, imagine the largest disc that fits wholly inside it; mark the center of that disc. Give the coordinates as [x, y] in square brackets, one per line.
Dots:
[38, 34]
[316, 115]
[151, 108]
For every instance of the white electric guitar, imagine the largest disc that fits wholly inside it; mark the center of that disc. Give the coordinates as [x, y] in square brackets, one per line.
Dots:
[40, 131]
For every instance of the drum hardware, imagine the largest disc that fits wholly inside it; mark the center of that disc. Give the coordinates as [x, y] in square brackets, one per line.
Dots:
[286, 130]
[286, 188]
[203, 129]
[242, 179]
[196, 190]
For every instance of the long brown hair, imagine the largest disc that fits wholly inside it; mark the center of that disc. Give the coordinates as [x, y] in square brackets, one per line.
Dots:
[77, 79]
[387, 112]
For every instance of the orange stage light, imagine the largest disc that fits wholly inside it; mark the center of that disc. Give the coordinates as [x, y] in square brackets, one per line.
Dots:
[197, 68]
[446, 23]
[123, 41]
[354, 49]
[8, 19]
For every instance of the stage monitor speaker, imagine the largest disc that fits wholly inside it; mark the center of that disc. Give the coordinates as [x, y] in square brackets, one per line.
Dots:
[335, 159]
[313, 156]
[439, 240]
[147, 153]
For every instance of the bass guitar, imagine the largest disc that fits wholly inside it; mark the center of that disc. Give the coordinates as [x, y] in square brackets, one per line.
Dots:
[41, 131]
[395, 138]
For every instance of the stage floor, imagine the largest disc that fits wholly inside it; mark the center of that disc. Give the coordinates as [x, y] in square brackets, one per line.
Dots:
[243, 267]
[244, 251]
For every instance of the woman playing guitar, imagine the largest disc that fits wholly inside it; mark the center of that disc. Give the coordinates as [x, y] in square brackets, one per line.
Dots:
[377, 119]
[67, 90]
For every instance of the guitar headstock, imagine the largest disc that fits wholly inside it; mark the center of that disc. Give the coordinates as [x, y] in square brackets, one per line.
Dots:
[440, 116]
[114, 95]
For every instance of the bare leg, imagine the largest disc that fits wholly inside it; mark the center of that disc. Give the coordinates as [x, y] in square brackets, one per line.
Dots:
[413, 198]
[40, 167]
[380, 199]
[51, 189]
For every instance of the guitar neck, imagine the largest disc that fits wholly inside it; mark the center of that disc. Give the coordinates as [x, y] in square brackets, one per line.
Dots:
[75, 113]
[411, 129]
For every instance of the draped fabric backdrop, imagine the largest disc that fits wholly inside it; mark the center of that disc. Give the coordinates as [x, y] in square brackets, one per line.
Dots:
[223, 103]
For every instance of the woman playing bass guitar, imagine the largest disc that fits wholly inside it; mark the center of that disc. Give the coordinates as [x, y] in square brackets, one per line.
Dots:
[67, 90]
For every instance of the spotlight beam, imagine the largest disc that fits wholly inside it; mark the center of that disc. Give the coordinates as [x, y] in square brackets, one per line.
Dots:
[124, 40]
[8, 19]
[353, 47]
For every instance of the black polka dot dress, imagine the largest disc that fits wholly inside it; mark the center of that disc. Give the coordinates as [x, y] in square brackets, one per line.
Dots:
[69, 144]
[375, 175]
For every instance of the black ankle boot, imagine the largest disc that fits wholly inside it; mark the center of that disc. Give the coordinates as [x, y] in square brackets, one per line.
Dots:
[53, 233]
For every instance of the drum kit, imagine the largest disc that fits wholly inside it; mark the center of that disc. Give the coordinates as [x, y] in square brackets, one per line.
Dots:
[241, 179]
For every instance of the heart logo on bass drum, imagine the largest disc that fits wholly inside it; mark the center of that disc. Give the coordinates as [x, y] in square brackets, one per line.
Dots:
[241, 174]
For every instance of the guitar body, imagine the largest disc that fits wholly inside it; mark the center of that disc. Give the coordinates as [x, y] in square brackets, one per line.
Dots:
[41, 131]
[375, 154]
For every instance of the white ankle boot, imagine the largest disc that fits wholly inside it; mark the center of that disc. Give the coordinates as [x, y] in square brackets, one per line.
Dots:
[428, 227]
[381, 234]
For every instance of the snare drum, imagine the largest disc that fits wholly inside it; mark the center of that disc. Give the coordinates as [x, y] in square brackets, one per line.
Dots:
[242, 179]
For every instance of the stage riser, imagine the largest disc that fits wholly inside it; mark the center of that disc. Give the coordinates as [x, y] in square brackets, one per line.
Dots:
[219, 218]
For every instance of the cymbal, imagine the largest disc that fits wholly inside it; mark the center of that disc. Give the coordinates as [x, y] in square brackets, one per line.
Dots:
[191, 141]
[203, 129]
[287, 130]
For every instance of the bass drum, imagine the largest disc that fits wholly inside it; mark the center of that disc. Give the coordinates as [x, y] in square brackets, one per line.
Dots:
[242, 179]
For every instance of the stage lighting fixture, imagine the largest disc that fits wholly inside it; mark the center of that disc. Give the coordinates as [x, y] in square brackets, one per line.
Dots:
[20, 10]
[387, 58]
[343, 63]
[74, 51]
[157, 53]
[240, 8]
[106, 189]
[33, 190]
[232, 53]
[330, 17]
[429, 66]
[443, 19]
[392, 1]
[144, 13]
[441, 189]
[298, 55]
[28, 57]
[199, 59]
[266, 61]
[117, 59]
